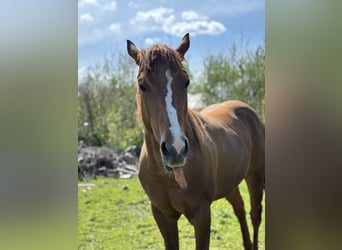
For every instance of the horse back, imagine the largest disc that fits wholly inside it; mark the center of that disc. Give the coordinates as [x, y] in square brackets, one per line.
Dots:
[237, 117]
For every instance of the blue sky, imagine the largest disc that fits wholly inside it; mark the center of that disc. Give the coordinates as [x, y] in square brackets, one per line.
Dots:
[105, 25]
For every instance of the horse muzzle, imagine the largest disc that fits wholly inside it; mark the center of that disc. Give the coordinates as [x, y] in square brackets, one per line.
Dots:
[174, 159]
[174, 155]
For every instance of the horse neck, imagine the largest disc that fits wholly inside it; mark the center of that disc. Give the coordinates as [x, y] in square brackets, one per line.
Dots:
[153, 153]
[194, 128]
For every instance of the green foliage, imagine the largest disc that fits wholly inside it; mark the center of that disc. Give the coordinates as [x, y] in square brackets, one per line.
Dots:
[107, 108]
[233, 76]
[116, 214]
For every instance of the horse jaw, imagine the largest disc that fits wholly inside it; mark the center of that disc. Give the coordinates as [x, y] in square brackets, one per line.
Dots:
[180, 178]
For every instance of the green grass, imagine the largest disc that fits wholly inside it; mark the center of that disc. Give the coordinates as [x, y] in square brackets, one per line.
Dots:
[115, 214]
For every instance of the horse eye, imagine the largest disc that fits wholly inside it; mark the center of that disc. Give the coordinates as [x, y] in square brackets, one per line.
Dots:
[187, 83]
[142, 87]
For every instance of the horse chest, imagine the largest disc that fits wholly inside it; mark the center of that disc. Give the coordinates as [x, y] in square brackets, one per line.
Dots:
[183, 202]
[165, 194]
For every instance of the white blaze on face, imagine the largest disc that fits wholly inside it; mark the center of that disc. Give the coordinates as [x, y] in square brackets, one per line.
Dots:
[175, 129]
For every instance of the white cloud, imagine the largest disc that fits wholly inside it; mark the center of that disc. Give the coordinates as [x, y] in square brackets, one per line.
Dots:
[163, 19]
[115, 27]
[153, 20]
[86, 18]
[159, 15]
[111, 6]
[192, 15]
[132, 4]
[88, 2]
[149, 41]
[198, 27]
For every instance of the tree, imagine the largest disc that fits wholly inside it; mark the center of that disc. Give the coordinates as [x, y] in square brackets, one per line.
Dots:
[107, 108]
[232, 76]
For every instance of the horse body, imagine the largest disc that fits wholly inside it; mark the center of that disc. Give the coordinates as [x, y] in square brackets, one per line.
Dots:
[183, 170]
[231, 125]
[227, 153]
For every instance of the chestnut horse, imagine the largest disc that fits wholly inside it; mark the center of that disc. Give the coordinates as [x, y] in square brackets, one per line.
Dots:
[189, 159]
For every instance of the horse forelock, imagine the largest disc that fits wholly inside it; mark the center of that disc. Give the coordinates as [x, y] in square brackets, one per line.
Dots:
[157, 55]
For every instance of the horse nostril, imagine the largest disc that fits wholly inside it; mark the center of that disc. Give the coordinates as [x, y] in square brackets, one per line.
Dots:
[186, 147]
[164, 149]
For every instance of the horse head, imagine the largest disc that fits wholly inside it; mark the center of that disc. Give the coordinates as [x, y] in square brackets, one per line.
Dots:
[162, 98]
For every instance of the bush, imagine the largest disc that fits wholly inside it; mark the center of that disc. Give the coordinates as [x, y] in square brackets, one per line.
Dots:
[232, 76]
[107, 108]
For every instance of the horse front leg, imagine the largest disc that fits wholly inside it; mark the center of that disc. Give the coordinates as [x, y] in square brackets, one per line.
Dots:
[201, 222]
[168, 227]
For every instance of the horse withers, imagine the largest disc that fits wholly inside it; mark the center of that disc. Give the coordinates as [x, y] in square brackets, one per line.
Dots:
[189, 159]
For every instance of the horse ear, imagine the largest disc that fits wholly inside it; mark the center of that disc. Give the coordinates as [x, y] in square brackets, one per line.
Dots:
[184, 45]
[133, 51]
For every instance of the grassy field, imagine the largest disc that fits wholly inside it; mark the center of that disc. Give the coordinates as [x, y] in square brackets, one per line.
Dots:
[115, 214]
